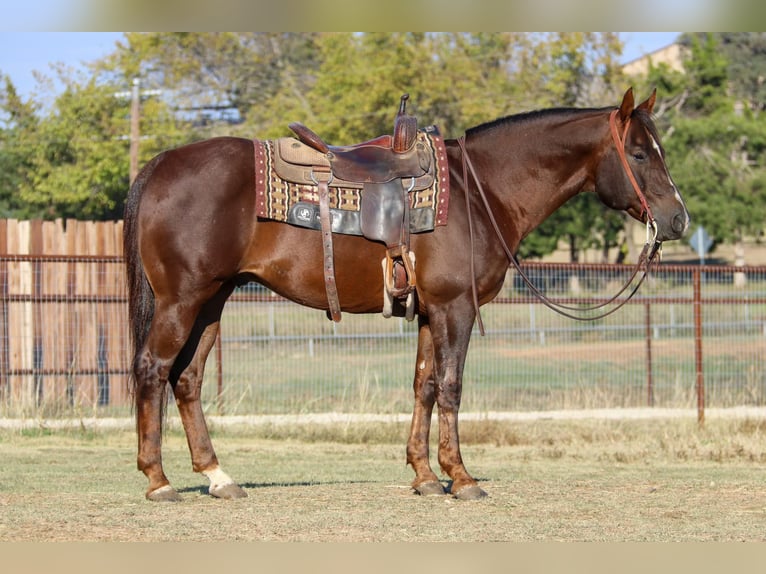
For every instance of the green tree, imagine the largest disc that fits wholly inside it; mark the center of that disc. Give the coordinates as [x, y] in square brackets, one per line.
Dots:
[71, 160]
[18, 123]
[79, 166]
[346, 86]
[745, 54]
[715, 144]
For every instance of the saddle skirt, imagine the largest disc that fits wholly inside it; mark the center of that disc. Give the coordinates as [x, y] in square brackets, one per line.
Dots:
[287, 173]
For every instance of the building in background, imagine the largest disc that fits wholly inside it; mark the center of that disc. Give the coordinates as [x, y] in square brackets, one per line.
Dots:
[672, 55]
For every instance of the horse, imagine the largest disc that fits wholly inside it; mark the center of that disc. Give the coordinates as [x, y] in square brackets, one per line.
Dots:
[191, 237]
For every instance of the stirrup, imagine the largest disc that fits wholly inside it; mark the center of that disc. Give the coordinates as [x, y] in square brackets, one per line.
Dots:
[394, 255]
[387, 263]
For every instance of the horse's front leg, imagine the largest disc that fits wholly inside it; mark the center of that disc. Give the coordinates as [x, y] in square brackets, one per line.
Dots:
[450, 339]
[426, 482]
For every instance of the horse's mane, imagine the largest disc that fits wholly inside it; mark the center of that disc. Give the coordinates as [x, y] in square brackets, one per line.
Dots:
[531, 116]
[515, 119]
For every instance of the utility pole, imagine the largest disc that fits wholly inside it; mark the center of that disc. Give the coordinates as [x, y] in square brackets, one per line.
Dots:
[135, 110]
[135, 121]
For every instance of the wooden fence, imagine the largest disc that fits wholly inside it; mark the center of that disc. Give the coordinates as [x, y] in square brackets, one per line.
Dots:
[63, 317]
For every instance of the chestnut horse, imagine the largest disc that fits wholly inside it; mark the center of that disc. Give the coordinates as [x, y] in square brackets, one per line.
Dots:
[191, 237]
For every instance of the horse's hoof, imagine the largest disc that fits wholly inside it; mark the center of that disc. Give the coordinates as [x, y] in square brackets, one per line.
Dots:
[228, 491]
[430, 488]
[471, 492]
[164, 494]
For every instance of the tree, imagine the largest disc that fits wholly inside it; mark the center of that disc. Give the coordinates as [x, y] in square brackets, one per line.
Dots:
[78, 168]
[72, 160]
[219, 80]
[715, 146]
[18, 121]
[745, 53]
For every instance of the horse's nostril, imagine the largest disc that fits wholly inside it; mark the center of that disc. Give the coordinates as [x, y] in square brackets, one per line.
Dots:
[679, 223]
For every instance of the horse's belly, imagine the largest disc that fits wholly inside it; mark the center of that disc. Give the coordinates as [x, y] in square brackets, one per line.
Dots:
[290, 262]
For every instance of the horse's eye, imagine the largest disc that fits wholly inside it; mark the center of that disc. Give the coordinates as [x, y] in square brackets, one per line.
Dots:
[639, 155]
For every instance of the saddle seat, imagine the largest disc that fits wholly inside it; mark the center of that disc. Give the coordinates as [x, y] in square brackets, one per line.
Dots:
[379, 160]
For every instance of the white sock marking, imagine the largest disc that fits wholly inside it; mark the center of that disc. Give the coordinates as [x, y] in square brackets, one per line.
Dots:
[217, 477]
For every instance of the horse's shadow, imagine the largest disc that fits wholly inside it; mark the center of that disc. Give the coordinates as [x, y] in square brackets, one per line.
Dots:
[203, 489]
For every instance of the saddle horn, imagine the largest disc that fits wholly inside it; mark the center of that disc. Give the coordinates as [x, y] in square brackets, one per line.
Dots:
[405, 128]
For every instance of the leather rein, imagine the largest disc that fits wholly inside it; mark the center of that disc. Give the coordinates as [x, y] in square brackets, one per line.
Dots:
[645, 258]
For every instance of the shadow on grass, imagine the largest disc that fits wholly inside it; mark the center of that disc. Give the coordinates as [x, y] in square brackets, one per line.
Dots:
[203, 489]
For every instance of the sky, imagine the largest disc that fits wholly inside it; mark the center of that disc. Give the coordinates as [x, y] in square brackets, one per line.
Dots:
[23, 52]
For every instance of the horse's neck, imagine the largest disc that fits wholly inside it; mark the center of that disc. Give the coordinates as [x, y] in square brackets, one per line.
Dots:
[538, 166]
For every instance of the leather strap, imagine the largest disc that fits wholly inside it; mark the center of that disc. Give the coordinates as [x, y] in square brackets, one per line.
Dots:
[619, 143]
[329, 263]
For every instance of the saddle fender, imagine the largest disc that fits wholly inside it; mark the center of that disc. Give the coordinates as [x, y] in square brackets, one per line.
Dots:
[381, 214]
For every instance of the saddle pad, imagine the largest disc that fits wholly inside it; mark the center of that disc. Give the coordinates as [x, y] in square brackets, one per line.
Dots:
[280, 199]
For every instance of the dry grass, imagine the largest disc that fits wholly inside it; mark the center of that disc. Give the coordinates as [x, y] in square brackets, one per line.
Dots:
[548, 480]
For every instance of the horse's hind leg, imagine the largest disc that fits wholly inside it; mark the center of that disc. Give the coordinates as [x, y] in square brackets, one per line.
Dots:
[187, 390]
[426, 482]
[157, 364]
[169, 330]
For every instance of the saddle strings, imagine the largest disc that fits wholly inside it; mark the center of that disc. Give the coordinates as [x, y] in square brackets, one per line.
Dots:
[646, 258]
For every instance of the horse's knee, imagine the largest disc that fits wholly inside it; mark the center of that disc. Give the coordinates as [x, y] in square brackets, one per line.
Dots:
[448, 398]
[449, 390]
[423, 385]
[425, 392]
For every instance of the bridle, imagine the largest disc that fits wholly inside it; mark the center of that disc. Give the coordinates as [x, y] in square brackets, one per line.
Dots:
[619, 142]
[645, 258]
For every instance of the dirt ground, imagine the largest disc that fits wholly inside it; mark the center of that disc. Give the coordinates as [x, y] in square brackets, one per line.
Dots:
[594, 481]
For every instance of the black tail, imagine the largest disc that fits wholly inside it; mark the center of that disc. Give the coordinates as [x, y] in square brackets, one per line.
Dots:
[140, 295]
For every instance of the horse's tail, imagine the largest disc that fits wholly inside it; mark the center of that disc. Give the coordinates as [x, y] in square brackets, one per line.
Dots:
[140, 294]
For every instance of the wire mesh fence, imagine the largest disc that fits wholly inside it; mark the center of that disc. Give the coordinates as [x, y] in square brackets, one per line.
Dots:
[692, 336]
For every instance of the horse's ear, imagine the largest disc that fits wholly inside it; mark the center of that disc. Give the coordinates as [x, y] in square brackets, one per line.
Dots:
[648, 103]
[626, 107]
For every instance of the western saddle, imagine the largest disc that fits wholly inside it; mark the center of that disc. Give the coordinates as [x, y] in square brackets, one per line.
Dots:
[387, 168]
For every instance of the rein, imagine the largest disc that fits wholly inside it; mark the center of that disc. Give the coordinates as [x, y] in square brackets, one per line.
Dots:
[645, 258]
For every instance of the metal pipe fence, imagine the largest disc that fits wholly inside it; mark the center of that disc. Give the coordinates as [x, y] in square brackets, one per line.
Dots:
[693, 336]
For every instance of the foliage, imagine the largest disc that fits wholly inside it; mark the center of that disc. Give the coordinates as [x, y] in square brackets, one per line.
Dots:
[714, 139]
[745, 54]
[20, 121]
[72, 160]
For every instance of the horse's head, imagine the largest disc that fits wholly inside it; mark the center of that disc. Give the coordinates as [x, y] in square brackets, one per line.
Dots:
[633, 176]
